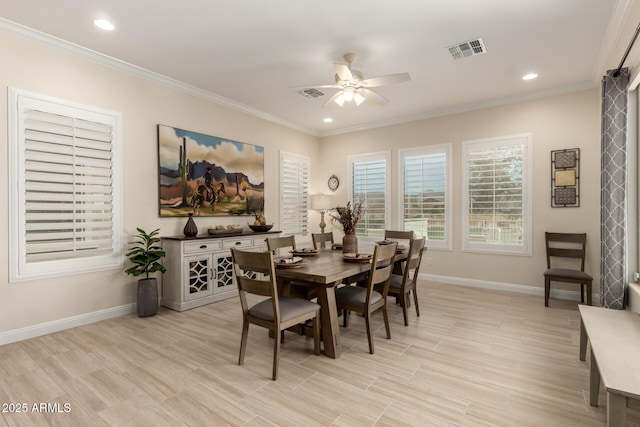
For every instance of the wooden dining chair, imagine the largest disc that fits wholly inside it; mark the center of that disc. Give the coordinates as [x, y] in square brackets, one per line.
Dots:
[282, 246]
[255, 274]
[402, 237]
[401, 285]
[567, 245]
[366, 300]
[319, 239]
[398, 235]
[276, 244]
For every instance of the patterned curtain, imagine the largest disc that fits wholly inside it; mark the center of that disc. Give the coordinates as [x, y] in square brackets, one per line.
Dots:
[613, 192]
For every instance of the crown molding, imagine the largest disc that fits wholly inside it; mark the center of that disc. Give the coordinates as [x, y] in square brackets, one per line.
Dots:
[59, 44]
[611, 37]
[21, 31]
[465, 108]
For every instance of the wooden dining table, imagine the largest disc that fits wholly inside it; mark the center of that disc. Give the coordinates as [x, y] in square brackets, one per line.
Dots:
[326, 270]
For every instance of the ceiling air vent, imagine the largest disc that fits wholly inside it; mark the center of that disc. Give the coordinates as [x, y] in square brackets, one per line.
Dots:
[468, 48]
[311, 93]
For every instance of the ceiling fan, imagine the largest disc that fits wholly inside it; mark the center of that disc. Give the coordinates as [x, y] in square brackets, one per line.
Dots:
[354, 87]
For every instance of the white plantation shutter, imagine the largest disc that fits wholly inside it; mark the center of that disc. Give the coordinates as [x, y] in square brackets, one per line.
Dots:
[66, 215]
[370, 178]
[294, 193]
[425, 190]
[497, 216]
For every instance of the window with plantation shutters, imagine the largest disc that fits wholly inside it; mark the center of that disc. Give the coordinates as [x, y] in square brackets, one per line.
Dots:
[370, 177]
[425, 182]
[294, 193]
[65, 212]
[497, 196]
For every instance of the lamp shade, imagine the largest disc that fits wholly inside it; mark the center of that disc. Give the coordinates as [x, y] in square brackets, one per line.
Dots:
[348, 93]
[321, 202]
[358, 98]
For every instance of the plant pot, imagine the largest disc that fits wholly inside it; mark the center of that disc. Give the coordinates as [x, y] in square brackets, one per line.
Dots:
[349, 244]
[147, 301]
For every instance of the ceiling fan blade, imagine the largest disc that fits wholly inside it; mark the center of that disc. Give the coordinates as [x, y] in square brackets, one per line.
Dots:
[332, 101]
[373, 97]
[343, 72]
[386, 80]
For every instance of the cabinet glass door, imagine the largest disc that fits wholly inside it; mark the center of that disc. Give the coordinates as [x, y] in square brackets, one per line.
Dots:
[224, 272]
[199, 271]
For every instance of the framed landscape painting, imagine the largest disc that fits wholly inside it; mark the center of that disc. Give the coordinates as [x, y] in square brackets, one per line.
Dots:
[207, 175]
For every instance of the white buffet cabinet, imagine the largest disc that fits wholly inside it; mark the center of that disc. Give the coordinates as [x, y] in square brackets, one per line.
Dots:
[200, 269]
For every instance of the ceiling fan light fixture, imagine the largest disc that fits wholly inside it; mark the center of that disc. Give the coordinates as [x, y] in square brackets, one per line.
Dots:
[348, 94]
[352, 86]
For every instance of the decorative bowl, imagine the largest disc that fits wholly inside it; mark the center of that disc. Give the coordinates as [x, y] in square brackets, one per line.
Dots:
[261, 228]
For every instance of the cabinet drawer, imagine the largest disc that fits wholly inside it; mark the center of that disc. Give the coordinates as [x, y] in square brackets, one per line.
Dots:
[205, 245]
[237, 243]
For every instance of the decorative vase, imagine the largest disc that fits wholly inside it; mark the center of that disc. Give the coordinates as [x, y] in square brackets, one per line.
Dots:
[350, 244]
[147, 297]
[190, 228]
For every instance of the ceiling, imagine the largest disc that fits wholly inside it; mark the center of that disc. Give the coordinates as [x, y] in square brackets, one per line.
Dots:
[248, 53]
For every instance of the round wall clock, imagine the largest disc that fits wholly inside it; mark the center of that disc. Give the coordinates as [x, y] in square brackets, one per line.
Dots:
[333, 183]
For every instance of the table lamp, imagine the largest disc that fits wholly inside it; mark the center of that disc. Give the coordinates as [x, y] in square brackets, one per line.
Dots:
[321, 203]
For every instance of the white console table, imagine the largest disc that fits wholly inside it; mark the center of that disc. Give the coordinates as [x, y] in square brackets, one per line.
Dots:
[200, 269]
[615, 351]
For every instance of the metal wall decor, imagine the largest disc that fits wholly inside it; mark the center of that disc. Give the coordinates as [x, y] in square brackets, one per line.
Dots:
[565, 178]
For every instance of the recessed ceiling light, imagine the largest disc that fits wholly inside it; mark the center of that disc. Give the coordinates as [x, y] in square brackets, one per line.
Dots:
[103, 24]
[529, 76]
[327, 120]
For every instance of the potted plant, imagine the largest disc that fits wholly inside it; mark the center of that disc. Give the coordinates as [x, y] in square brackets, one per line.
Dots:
[146, 256]
[348, 217]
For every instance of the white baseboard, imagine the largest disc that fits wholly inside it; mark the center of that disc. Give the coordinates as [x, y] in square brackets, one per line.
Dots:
[508, 287]
[85, 319]
[62, 324]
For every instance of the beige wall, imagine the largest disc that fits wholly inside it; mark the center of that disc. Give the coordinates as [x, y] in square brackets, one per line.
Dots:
[144, 105]
[564, 121]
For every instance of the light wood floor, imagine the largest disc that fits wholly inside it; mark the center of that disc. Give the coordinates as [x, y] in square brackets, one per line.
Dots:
[474, 358]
